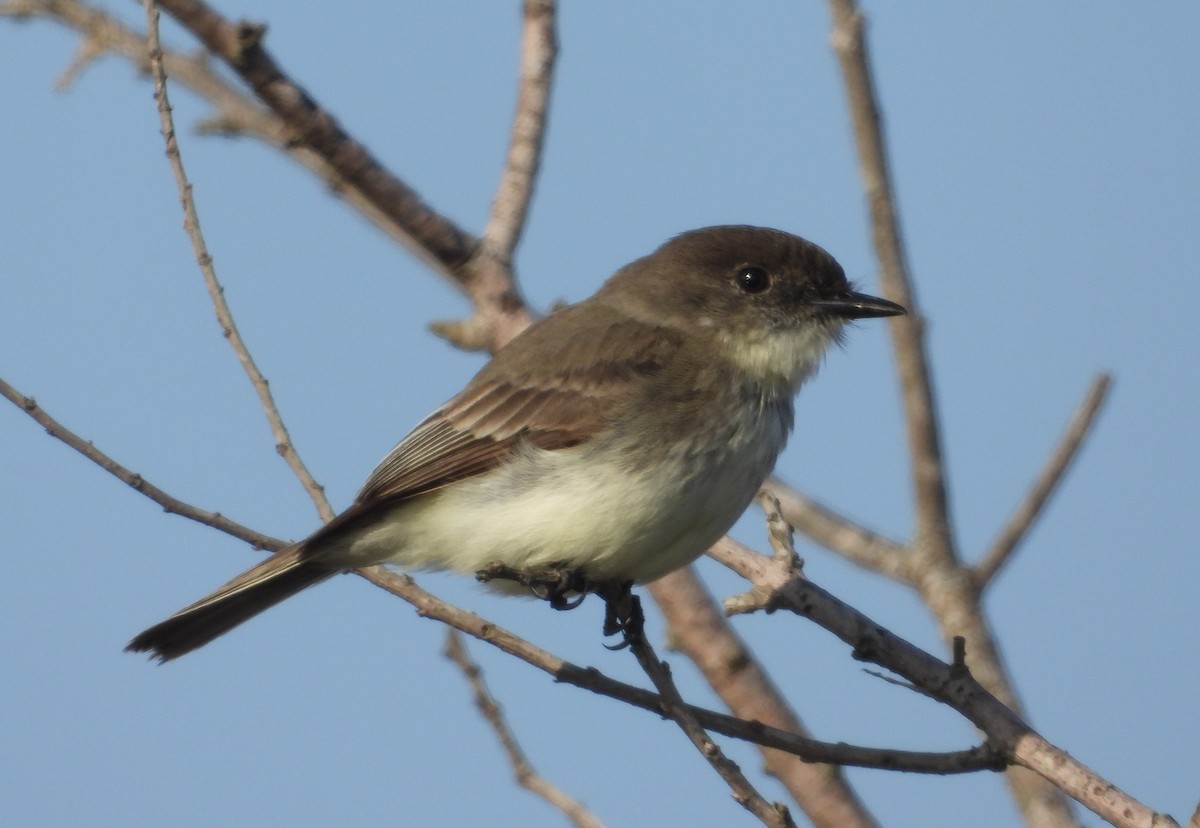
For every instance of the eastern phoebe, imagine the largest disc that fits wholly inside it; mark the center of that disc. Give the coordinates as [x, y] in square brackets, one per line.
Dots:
[617, 438]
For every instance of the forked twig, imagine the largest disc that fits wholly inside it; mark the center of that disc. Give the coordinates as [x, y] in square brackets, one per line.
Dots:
[852, 541]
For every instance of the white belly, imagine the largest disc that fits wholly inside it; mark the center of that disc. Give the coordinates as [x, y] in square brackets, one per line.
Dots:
[584, 508]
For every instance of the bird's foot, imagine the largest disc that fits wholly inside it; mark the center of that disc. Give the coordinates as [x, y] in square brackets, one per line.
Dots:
[564, 588]
[622, 612]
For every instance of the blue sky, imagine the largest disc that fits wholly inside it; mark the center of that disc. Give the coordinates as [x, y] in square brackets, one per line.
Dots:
[1046, 165]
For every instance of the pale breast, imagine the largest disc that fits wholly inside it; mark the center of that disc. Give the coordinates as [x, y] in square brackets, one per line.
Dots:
[596, 510]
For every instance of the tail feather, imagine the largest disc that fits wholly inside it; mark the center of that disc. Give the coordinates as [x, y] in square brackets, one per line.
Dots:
[257, 589]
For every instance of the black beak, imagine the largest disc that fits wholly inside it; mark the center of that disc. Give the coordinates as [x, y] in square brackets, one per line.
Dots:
[851, 305]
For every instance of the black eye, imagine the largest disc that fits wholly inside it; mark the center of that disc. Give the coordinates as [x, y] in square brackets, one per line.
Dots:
[752, 279]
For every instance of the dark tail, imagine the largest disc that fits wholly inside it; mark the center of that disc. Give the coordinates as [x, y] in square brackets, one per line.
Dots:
[278, 577]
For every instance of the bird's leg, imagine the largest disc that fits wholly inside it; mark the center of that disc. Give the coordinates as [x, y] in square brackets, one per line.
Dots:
[564, 588]
[622, 612]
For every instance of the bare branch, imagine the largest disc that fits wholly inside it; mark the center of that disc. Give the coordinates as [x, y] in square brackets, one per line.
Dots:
[510, 206]
[191, 223]
[744, 793]
[526, 776]
[908, 332]
[1030, 509]
[298, 126]
[491, 285]
[775, 588]
[136, 481]
[589, 678]
[240, 46]
[86, 53]
[699, 629]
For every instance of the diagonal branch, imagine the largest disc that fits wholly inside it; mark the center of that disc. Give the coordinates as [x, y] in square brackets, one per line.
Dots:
[776, 586]
[191, 223]
[589, 678]
[698, 628]
[170, 504]
[239, 45]
[527, 777]
[744, 793]
[1030, 509]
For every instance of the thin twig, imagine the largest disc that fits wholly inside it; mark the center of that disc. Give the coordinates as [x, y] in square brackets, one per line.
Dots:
[775, 588]
[133, 479]
[510, 206]
[526, 776]
[86, 53]
[744, 793]
[1056, 466]
[191, 223]
[699, 629]
[826, 527]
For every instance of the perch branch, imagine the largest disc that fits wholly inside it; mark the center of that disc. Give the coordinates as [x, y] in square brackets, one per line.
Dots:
[744, 793]
[698, 628]
[776, 586]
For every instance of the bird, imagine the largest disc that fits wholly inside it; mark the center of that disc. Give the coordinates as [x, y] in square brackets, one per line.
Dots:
[612, 442]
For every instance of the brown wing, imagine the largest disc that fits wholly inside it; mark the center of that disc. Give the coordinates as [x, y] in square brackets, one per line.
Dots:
[553, 387]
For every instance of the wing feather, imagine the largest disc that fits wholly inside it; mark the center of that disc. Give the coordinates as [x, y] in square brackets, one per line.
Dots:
[590, 372]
